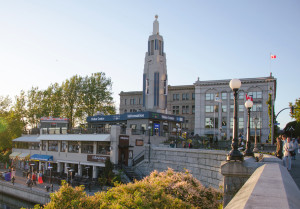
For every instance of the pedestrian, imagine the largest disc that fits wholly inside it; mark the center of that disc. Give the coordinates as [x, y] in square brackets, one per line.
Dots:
[34, 178]
[296, 147]
[288, 147]
[40, 177]
[29, 181]
[279, 148]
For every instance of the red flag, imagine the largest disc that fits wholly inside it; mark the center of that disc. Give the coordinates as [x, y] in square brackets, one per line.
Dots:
[249, 98]
[273, 56]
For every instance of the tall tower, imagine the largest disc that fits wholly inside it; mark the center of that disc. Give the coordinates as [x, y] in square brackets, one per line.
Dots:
[155, 80]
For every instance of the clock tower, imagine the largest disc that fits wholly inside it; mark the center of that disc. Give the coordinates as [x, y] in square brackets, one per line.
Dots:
[155, 80]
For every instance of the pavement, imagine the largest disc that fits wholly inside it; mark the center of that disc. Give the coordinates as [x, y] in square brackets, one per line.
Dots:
[295, 172]
[20, 181]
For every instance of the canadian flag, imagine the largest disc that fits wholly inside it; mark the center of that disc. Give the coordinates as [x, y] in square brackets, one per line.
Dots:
[273, 56]
[249, 98]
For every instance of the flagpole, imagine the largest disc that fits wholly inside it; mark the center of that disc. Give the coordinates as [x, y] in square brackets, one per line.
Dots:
[270, 61]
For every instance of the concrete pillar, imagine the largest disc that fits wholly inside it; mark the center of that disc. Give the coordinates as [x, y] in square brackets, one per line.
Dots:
[114, 143]
[79, 169]
[95, 148]
[40, 165]
[79, 144]
[59, 167]
[66, 165]
[94, 172]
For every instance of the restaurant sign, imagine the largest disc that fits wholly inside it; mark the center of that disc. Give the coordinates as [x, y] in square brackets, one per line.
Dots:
[97, 158]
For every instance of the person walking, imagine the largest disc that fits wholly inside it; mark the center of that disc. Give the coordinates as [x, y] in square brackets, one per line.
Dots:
[296, 147]
[288, 147]
[34, 178]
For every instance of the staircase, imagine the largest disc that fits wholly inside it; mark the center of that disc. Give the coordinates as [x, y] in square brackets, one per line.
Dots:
[129, 171]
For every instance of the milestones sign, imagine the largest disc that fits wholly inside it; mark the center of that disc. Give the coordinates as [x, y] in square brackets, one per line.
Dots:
[97, 158]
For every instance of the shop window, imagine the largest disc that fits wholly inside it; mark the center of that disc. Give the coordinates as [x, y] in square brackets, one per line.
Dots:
[87, 147]
[103, 148]
[73, 147]
[63, 146]
[224, 96]
[53, 146]
[44, 144]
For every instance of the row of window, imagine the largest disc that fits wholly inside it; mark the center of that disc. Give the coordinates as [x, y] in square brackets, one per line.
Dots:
[184, 96]
[133, 101]
[241, 95]
[211, 122]
[185, 109]
[241, 108]
[70, 146]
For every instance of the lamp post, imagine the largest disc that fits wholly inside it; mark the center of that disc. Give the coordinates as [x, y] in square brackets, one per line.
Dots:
[67, 174]
[50, 180]
[149, 143]
[235, 154]
[71, 170]
[255, 144]
[177, 129]
[87, 171]
[248, 151]
[32, 164]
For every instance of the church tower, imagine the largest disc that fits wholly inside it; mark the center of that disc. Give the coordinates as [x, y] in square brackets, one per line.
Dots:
[155, 80]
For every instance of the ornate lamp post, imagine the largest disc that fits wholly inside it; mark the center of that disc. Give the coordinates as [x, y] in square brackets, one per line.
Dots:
[177, 129]
[248, 151]
[235, 154]
[255, 144]
[149, 143]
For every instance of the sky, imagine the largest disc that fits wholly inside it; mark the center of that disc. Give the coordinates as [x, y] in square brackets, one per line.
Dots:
[44, 42]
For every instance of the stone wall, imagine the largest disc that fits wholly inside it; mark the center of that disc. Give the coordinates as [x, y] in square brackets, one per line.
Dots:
[24, 193]
[203, 164]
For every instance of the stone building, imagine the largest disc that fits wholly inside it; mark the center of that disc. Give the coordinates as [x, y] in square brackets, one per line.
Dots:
[207, 106]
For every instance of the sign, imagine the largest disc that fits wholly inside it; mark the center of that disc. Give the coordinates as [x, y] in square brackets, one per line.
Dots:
[139, 142]
[53, 119]
[124, 137]
[276, 124]
[132, 116]
[97, 158]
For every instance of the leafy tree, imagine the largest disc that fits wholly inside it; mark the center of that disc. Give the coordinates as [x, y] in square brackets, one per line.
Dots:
[167, 189]
[296, 114]
[292, 129]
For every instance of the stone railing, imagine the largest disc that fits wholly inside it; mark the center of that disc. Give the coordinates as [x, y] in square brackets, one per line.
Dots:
[270, 186]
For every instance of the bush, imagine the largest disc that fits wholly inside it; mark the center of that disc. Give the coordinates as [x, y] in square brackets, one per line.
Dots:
[167, 189]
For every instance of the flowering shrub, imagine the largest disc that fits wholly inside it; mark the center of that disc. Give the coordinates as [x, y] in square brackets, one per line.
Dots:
[167, 189]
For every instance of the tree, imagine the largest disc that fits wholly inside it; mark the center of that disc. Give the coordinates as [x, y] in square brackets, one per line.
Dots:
[166, 189]
[296, 114]
[96, 95]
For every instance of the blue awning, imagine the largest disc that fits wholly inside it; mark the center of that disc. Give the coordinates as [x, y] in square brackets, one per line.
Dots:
[41, 157]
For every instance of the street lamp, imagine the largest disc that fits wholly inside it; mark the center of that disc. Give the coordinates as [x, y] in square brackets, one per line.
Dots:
[255, 144]
[149, 143]
[50, 180]
[248, 151]
[235, 154]
[71, 170]
[87, 171]
[32, 164]
[177, 129]
[67, 174]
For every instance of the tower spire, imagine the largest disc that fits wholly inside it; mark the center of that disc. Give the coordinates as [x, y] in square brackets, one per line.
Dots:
[155, 26]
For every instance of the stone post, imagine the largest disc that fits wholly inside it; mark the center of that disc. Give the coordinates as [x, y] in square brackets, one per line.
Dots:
[236, 173]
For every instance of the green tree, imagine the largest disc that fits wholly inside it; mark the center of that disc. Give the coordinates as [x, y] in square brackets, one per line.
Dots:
[96, 95]
[167, 189]
[296, 114]
[34, 106]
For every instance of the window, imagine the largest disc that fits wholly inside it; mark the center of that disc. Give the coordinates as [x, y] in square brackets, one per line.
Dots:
[63, 146]
[255, 94]
[34, 146]
[175, 110]
[231, 108]
[193, 109]
[256, 107]
[241, 108]
[185, 96]
[224, 108]
[193, 96]
[139, 100]
[231, 95]
[208, 122]
[209, 108]
[241, 95]
[132, 101]
[53, 146]
[133, 126]
[87, 147]
[73, 147]
[224, 122]
[224, 95]
[241, 123]
[125, 101]
[209, 96]
[175, 97]
[44, 145]
[185, 109]
[186, 124]
[103, 148]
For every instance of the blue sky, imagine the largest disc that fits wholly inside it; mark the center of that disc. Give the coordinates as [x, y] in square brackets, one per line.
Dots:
[43, 42]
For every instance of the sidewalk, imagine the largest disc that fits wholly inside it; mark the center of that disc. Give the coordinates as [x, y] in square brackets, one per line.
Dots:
[295, 172]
